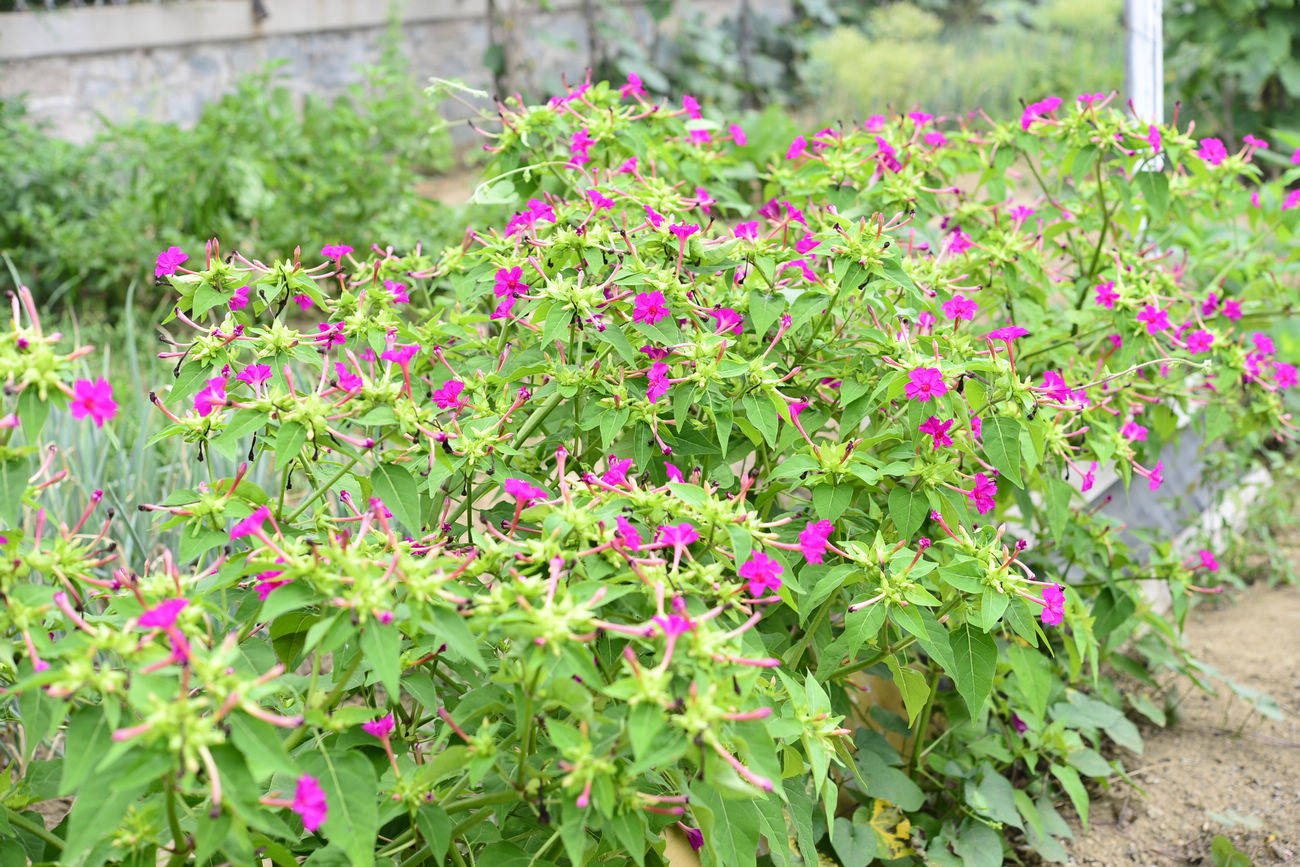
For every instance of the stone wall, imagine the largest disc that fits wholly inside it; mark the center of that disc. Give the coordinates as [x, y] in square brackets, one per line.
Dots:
[166, 61]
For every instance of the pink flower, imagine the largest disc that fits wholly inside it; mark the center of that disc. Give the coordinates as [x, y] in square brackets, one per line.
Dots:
[524, 492]
[163, 615]
[1087, 99]
[1089, 478]
[957, 242]
[925, 319]
[598, 201]
[1254, 143]
[628, 537]
[976, 427]
[1133, 432]
[674, 474]
[536, 213]
[1157, 320]
[239, 300]
[252, 525]
[738, 135]
[397, 292]
[692, 107]
[658, 382]
[211, 397]
[254, 374]
[1106, 294]
[94, 400]
[807, 243]
[335, 251]
[502, 310]
[813, 540]
[266, 582]
[579, 145]
[633, 87]
[628, 167]
[400, 355]
[703, 200]
[380, 728]
[1212, 151]
[1053, 605]
[1020, 213]
[616, 474]
[886, 154]
[762, 572]
[875, 123]
[1232, 309]
[1295, 157]
[1007, 333]
[1199, 341]
[798, 148]
[674, 624]
[650, 307]
[1284, 375]
[1207, 560]
[938, 430]
[509, 281]
[699, 136]
[982, 494]
[653, 217]
[347, 380]
[1153, 137]
[960, 307]
[747, 231]
[331, 334]
[1040, 110]
[677, 535]
[1157, 477]
[935, 139]
[1292, 200]
[309, 802]
[925, 383]
[725, 319]
[168, 261]
[920, 118]
[683, 230]
[447, 396]
[303, 301]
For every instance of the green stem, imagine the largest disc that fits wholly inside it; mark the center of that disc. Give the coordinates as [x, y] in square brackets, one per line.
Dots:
[479, 801]
[179, 847]
[297, 735]
[319, 491]
[923, 722]
[30, 827]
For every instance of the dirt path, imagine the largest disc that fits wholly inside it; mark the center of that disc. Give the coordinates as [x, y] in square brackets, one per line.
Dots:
[1201, 777]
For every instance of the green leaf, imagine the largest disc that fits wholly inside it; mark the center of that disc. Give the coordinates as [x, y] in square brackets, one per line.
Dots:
[912, 685]
[396, 487]
[1001, 437]
[88, 734]
[1073, 786]
[855, 842]
[975, 659]
[1033, 677]
[382, 646]
[289, 441]
[351, 796]
[1155, 189]
[764, 310]
[908, 509]
[979, 845]
[32, 414]
[1058, 496]
[830, 501]
[730, 827]
[260, 742]
[1227, 855]
[435, 827]
[890, 784]
[244, 422]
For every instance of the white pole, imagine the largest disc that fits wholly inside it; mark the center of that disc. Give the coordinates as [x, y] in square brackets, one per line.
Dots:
[1144, 61]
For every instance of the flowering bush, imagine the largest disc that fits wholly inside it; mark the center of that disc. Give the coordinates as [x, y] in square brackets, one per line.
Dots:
[589, 531]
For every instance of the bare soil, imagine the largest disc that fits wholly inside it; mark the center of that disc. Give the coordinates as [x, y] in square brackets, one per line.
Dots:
[1219, 768]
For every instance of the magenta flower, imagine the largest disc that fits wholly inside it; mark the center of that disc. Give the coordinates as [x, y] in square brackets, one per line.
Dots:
[674, 625]
[397, 292]
[502, 310]
[1199, 341]
[1212, 151]
[524, 492]
[659, 383]
[677, 535]
[1087, 99]
[737, 135]
[616, 474]
[650, 307]
[807, 244]
[1157, 477]
[331, 334]
[798, 148]
[762, 572]
[960, 307]
[380, 728]
[1020, 213]
[653, 217]
[725, 319]
[938, 430]
[813, 540]
[335, 251]
[400, 355]
[254, 374]
[627, 535]
[692, 107]
[1285, 375]
[699, 136]
[598, 201]
[163, 615]
[633, 87]
[1018, 724]
[1036, 111]
[168, 261]
[1134, 432]
[935, 139]
[509, 282]
[447, 396]
[239, 300]
[211, 397]
[1254, 143]
[875, 123]
[1157, 320]
[695, 837]
[703, 201]
[347, 380]
[252, 525]
[93, 400]
[1232, 309]
[309, 802]
[304, 302]
[1089, 478]
[1106, 294]
[1007, 333]
[1292, 200]
[887, 156]
[683, 230]
[957, 242]
[976, 427]
[267, 581]
[1207, 560]
[747, 231]
[982, 493]
[1153, 138]
[1053, 605]
[674, 474]
[925, 383]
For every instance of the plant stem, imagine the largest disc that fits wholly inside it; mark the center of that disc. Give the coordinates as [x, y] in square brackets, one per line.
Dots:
[923, 722]
[16, 819]
[319, 491]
